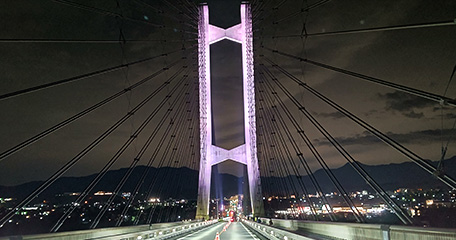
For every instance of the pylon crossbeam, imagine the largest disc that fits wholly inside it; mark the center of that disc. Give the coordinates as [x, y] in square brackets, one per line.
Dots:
[210, 154]
[236, 154]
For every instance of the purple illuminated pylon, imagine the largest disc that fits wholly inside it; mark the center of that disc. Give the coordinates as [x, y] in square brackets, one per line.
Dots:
[246, 153]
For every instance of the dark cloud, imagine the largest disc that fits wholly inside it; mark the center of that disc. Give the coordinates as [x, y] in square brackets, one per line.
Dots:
[332, 115]
[416, 137]
[417, 58]
[449, 115]
[371, 112]
[405, 103]
[413, 114]
[359, 139]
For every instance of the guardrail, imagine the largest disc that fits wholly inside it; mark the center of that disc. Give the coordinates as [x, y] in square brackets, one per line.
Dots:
[363, 231]
[154, 231]
[273, 233]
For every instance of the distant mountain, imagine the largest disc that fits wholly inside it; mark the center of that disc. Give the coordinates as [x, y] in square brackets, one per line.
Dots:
[180, 183]
[393, 176]
[183, 182]
[389, 176]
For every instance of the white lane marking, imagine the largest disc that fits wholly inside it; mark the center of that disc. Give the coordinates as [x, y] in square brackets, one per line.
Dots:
[191, 234]
[250, 233]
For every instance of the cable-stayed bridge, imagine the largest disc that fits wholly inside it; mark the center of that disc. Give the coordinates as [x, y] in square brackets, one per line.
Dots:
[159, 87]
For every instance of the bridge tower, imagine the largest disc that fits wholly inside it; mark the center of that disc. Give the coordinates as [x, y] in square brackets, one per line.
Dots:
[210, 154]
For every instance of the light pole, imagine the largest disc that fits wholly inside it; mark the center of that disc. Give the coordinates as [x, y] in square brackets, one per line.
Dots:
[217, 206]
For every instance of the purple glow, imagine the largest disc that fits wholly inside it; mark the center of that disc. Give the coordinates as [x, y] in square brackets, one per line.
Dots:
[202, 211]
[246, 153]
[236, 154]
[249, 111]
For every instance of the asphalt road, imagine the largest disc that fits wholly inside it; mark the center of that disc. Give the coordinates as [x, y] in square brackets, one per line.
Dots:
[235, 231]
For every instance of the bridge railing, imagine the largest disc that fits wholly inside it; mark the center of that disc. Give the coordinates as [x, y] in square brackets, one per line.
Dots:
[363, 231]
[154, 231]
[273, 233]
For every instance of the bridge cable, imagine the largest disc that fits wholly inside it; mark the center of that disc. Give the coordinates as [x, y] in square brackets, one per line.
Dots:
[184, 154]
[119, 152]
[186, 147]
[138, 157]
[275, 43]
[283, 170]
[192, 18]
[190, 7]
[314, 181]
[280, 4]
[194, 149]
[165, 152]
[357, 167]
[298, 152]
[320, 160]
[136, 160]
[80, 77]
[158, 10]
[178, 162]
[280, 162]
[370, 30]
[104, 12]
[262, 152]
[268, 156]
[271, 155]
[288, 154]
[160, 164]
[170, 149]
[263, 164]
[392, 143]
[147, 169]
[124, 60]
[78, 157]
[161, 12]
[108, 13]
[295, 169]
[153, 156]
[257, 10]
[300, 155]
[444, 148]
[419, 93]
[302, 10]
[69, 120]
[399, 212]
[303, 66]
[94, 41]
[273, 143]
[180, 142]
[142, 179]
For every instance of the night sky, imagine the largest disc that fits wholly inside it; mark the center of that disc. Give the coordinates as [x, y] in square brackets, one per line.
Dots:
[419, 58]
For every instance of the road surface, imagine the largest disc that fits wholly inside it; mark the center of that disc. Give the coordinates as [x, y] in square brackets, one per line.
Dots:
[235, 231]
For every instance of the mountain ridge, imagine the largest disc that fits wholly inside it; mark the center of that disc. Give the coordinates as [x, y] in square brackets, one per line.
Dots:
[389, 176]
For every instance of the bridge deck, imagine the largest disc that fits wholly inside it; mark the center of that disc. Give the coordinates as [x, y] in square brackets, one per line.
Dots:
[235, 231]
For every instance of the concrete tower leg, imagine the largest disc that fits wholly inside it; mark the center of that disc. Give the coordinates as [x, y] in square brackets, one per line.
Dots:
[204, 190]
[246, 153]
[204, 185]
[253, 171]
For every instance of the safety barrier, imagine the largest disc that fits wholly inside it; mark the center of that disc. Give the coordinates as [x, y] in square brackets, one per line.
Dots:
[273, 233]
[363, 231]
[154, 231]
